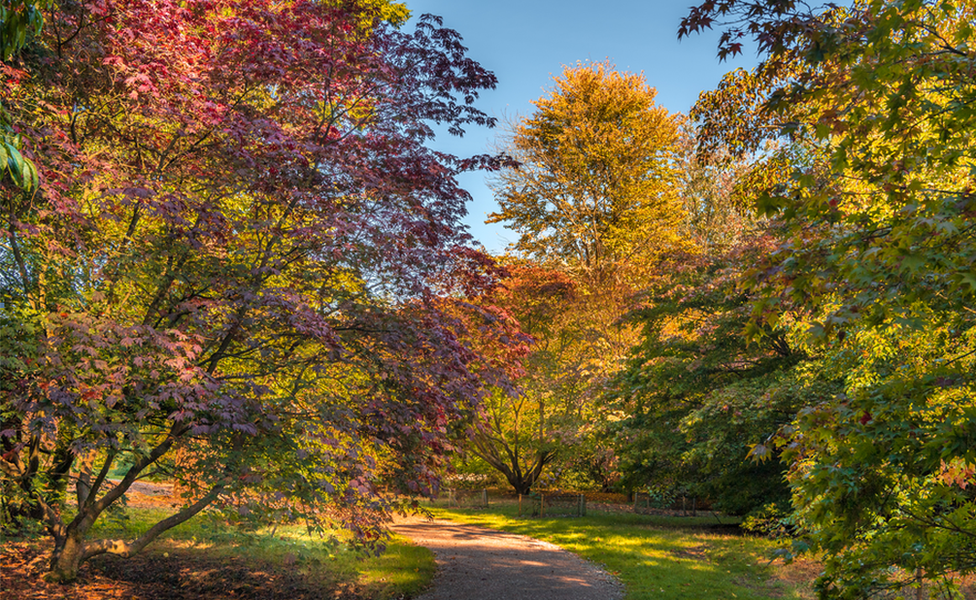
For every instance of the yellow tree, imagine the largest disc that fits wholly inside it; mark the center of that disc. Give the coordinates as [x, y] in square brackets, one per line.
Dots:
[596, 198]
[595, 189]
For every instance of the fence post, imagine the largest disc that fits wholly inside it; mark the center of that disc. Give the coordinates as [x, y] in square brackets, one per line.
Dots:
[542, 504]
[520, 505]
[484, 497]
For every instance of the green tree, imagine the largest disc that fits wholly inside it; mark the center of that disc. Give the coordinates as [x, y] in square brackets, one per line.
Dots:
[20, 21]
[698, 395]
[880, 246]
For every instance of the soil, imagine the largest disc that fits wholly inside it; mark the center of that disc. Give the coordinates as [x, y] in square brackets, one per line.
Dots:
[475, 563]
[163, 574]
[168, 571]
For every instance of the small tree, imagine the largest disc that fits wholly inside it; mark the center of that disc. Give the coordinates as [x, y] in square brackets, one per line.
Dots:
[517, 435]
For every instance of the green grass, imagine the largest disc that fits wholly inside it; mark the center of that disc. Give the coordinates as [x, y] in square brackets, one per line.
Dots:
[326, 562]
[676, 558]
[652, 556]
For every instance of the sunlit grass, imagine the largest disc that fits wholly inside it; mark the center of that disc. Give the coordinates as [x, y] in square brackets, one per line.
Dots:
[323, 561]
[654, 557]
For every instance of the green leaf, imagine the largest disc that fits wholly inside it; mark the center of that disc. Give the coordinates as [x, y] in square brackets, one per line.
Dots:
[15, 163]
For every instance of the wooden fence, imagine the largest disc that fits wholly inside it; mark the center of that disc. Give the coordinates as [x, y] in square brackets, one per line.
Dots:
[647, 504]
[455, 498]
[552, 504]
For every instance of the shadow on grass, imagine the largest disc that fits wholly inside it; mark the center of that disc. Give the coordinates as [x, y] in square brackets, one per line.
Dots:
[204, 559]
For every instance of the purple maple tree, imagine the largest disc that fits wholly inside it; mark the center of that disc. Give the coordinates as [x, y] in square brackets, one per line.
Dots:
[240, 266]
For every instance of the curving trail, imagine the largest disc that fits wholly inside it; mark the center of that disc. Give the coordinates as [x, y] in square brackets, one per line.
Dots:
[475, 563]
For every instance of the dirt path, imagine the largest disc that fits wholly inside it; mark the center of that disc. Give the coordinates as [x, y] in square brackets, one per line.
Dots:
[475, 563]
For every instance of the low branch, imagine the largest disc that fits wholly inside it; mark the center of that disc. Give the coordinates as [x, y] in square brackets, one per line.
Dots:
[128, 548]
[95, 509]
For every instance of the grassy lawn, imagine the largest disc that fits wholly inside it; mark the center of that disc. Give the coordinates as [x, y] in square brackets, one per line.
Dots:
[214, 557]
[329, 564]
[654, 557]
[660, 557]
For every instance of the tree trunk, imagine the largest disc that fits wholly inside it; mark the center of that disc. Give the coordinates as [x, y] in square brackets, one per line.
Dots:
[71, 550]
[69, 554]
[523, 482]
[521, 485]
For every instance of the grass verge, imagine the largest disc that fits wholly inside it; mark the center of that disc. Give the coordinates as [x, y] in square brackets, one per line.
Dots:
[660, 557]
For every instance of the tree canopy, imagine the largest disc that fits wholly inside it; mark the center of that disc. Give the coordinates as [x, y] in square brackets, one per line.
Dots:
[594, 200]
[239, 267]
[872, 102]
[593, 190]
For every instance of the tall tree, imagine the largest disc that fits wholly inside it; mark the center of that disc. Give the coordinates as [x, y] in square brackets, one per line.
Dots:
[881, 246]
[236, 271]
[594, 190]
[595, 197]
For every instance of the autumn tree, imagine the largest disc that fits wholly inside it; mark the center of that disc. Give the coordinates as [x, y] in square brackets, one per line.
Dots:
[695, 394]
[594, 187]
[235, 270]
[596, 193]
[20, 21]
[520, 432]
[712, 185]
[698, 395]
[879, 213]
[594, 197]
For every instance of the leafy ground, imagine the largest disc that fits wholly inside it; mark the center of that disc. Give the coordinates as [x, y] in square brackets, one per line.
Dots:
[692, 558]
[181, 572]
[204, 559]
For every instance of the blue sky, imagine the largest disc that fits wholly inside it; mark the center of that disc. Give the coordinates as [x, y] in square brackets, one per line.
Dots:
[527, 42]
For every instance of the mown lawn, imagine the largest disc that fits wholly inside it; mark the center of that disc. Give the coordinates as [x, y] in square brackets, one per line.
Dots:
[661, 557]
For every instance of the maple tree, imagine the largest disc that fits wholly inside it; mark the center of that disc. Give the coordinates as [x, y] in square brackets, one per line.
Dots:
[875, 100]
[20, 20]
[238, 268]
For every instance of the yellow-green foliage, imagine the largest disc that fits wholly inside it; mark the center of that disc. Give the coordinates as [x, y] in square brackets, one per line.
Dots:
[595, 190]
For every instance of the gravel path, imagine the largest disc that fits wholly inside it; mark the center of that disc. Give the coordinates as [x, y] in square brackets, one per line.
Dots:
[475, 563]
